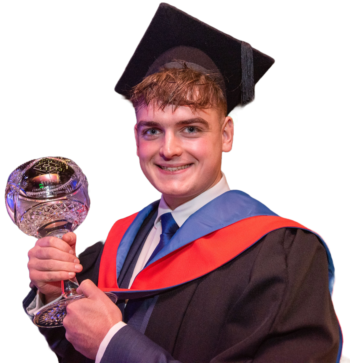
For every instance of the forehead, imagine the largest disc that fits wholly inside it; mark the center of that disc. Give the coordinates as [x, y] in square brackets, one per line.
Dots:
[170, 114]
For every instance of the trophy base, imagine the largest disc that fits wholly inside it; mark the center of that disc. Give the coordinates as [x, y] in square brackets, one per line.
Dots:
[52, 315]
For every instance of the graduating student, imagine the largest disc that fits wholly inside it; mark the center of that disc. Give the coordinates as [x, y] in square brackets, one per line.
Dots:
[205, 274]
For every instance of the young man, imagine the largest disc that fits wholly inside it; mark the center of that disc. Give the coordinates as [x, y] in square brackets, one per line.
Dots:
[206, 274]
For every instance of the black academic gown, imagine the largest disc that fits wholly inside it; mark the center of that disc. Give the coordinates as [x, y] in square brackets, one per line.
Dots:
[269, 304]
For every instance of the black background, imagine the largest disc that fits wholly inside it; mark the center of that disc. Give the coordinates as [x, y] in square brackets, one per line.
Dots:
[60, 67]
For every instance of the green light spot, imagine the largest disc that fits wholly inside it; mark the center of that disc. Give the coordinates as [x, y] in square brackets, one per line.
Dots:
[235, 118]
[41, 186]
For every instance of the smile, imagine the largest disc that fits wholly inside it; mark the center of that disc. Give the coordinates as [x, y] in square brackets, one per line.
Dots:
[168, 168]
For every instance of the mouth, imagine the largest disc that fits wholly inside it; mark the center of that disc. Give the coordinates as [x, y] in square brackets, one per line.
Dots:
[174, 168]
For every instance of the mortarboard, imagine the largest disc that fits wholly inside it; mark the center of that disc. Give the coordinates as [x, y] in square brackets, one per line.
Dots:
[174, 37]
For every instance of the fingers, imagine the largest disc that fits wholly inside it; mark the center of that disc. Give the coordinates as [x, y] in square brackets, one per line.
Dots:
[52, 260]
[55, 243]
[47, 253]
[54, 265]
[50, 270]
[89, 289]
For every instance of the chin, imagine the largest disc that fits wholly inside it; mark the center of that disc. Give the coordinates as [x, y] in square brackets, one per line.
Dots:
[179, 194]
[171, 188]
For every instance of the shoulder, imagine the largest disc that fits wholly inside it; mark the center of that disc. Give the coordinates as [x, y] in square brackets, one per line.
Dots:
[274, 260]
[290, 254]
[292, 242]
[272, 237]
[287, 237]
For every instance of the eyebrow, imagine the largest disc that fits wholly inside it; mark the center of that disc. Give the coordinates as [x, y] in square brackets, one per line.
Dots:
[196, 120]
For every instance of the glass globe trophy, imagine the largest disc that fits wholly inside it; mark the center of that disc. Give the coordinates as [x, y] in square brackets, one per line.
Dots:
[49, 197]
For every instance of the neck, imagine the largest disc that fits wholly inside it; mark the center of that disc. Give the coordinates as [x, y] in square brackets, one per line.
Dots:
[173, 203]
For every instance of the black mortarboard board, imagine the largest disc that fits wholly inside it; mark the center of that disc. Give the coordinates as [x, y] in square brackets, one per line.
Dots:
[174, 36]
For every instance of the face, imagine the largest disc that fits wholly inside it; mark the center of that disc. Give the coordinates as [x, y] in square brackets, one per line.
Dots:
[180, 151]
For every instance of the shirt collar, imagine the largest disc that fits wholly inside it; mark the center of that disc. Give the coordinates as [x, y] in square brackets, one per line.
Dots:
[181, 213]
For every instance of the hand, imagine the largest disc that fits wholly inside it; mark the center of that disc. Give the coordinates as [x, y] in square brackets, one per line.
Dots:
[88, 320]
[52, 260]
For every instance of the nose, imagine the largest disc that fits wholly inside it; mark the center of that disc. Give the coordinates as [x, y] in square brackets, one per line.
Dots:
[171, 146]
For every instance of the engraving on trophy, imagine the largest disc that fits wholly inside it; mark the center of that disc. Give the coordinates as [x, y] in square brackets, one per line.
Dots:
[50, 166]
[50, 178]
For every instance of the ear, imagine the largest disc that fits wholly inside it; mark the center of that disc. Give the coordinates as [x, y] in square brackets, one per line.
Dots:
[227, 134]
[136, 139]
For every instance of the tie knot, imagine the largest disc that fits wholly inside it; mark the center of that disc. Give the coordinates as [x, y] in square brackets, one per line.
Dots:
[169, 226]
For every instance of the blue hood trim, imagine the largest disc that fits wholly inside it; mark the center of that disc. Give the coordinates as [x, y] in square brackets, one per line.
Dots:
[224, 210]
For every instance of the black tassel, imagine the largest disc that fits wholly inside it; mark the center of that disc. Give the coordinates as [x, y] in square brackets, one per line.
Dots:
[247, 64]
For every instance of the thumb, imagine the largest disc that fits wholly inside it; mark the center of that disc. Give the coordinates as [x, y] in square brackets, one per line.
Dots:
[89, 290]
[71, 239]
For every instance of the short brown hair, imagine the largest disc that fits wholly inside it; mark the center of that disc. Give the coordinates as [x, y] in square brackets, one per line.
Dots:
[179, 87]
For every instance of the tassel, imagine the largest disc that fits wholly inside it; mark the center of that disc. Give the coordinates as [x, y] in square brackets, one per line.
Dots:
[247, 65]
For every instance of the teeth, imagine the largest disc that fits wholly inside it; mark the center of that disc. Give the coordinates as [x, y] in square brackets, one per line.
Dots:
[175, 169]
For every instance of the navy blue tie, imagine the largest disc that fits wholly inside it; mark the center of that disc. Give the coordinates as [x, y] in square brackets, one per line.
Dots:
[169, 227]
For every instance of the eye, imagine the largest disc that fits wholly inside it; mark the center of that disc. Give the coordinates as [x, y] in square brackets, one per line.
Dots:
[150, 133]
[191, 130]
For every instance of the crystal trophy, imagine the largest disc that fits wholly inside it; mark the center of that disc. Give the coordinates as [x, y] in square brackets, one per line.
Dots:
[49, 197]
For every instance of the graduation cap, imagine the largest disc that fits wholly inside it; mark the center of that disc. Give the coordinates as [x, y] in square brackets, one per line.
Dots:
[174, 38]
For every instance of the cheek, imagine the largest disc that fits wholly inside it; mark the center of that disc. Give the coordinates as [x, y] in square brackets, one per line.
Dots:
[146, 150]
[202, 150]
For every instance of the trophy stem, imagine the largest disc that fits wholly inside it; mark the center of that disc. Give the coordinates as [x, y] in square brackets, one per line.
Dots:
[69, 288]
